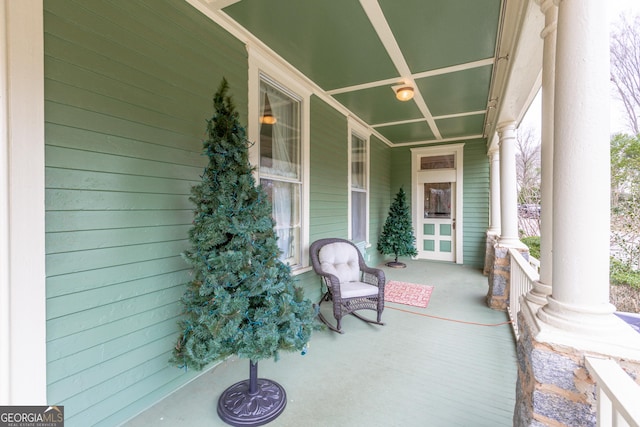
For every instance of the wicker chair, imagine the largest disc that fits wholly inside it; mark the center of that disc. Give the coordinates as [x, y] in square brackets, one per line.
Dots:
[351, 285]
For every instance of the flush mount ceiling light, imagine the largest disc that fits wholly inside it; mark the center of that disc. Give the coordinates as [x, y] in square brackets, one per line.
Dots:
[267, 116]
[403, 92]
[268, 119]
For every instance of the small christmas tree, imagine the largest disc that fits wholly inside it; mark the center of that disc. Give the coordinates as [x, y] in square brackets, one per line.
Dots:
[242, 300]
[397, 236]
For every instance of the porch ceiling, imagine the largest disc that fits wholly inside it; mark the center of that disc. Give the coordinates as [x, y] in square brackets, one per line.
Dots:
[355, 51]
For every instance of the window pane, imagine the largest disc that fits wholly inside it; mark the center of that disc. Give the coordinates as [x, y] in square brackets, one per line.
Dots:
[280, 165]
[437, 200]
[279, 133]
[358, 216]
[358, 158]
[437, 162]
[285, 199]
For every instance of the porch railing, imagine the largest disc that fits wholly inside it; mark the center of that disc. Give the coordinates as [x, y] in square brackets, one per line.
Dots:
[522, 277]
[617, 394]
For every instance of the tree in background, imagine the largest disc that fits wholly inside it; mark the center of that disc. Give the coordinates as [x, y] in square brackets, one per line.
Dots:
[625, 154]
[625, 199]
[242, 300]
[528, 176]
[625, 67]
[397, 236]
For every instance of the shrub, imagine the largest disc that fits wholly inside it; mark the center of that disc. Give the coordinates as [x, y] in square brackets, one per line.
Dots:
[621, 274]
[533, 243]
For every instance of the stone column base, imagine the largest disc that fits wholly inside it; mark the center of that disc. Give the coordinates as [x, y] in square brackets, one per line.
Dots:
[492, 239]
[500, 274]
[554, 387]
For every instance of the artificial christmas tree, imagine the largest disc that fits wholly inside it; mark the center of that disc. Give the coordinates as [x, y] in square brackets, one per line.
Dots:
[397, 236]
[242, 300]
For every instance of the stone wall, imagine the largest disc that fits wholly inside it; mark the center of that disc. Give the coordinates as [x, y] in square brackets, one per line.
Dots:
[499, 272]
[554, 387]
[499, 275]
[492, 239]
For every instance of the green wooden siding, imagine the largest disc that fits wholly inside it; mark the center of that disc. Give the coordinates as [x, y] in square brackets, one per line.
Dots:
[476, 202]
[128, 88]
[380, 195]
[328, 190]
[476, 195]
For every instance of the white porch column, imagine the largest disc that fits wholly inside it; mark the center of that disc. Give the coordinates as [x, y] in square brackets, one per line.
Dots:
[494, 192]
[23, 362]
[580, 300]
[508, 187]
[542, 288]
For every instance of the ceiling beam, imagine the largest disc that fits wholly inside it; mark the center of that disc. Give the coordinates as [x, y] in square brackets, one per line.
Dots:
[381, 26]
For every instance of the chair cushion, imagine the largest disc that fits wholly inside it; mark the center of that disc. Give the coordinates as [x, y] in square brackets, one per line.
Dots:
[357, 289]
[341, 260]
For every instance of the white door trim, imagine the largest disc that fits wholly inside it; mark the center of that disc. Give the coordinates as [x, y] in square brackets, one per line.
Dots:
[458, 151]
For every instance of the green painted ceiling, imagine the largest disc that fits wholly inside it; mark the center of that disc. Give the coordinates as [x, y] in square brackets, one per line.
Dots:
[357, 50]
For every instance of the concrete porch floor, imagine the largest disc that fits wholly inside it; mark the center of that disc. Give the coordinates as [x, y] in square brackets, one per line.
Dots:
[414, 371]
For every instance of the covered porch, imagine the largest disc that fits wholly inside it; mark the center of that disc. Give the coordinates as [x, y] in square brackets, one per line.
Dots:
[104, 104]
[424, 367]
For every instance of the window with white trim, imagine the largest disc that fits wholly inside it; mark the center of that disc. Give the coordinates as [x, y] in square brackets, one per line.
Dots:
[280, 167]
[359, 183]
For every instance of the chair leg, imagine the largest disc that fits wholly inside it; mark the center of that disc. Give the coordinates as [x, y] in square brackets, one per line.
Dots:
[321, 317]
[364, 319]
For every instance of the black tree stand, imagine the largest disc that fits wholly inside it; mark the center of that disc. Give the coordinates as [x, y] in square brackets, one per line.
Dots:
[252, 402]
[396, 264]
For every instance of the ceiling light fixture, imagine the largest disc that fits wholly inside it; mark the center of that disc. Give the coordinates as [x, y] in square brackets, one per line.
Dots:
[267, 116]
[403, 92]
[268, 119]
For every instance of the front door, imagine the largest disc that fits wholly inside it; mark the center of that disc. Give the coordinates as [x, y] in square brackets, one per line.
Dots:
[436, 237]
[437, 202]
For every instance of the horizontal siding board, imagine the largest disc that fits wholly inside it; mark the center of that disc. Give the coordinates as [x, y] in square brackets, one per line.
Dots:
[93, 71]
[62, 137]
[131, 386]
[69, 345]
[109, 313]
[85, 280]
[101, 104]
[75, 363]
[56, 199]
[98, 239]
[60, 221]
[73, 116]
[69, 159]
[85, 260]
[93, 298]
[104, 181]
[99, 400]
[93, 376]
[144, 51]
[96, 297]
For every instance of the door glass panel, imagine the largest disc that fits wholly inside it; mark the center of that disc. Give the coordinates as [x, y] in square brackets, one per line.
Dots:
[429, 229]
[429, 245]
[437, 200]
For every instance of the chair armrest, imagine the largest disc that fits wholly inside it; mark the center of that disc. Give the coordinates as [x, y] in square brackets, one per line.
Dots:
[375, 272]
[333, 281]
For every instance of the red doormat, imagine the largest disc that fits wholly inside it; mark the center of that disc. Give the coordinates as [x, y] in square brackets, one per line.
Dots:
[407, 293]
